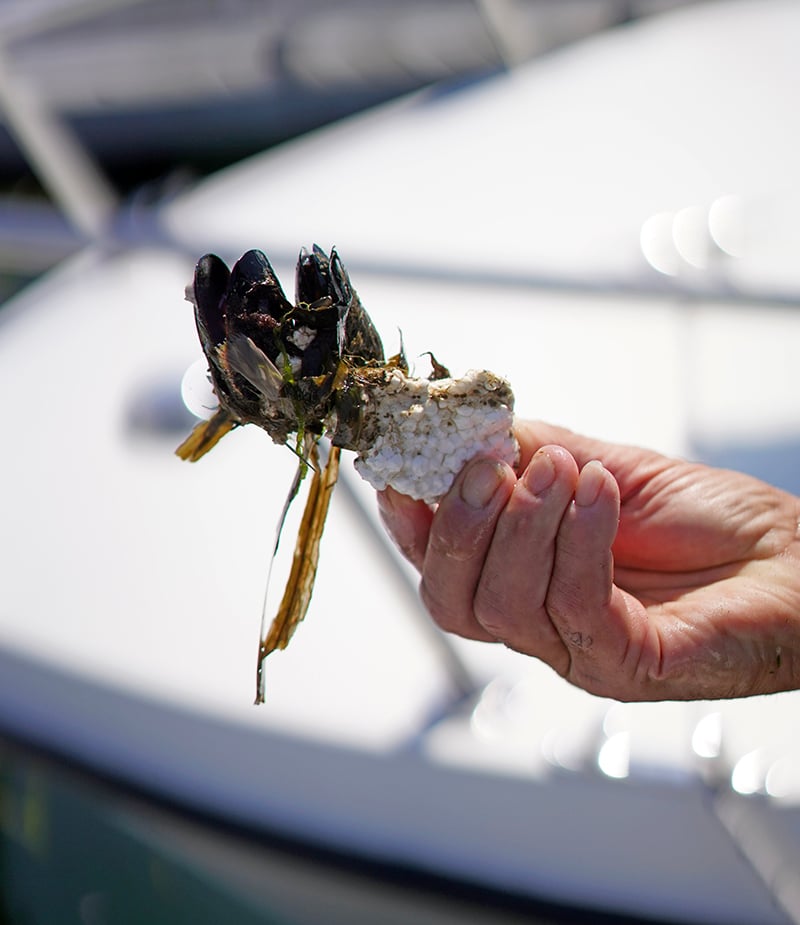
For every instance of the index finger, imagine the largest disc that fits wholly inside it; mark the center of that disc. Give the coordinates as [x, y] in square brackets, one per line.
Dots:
[460, 535]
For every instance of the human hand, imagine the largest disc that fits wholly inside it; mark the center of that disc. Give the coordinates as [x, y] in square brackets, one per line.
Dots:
[634, 575]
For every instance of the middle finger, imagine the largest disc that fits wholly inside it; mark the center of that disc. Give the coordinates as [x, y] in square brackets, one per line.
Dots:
[460, 534]
[509, 600]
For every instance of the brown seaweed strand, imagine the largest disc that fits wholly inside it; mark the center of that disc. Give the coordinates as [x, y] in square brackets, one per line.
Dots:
[206, 435]
[300, 584]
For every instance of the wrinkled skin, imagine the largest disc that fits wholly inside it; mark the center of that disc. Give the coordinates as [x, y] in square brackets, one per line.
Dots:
[641, 578]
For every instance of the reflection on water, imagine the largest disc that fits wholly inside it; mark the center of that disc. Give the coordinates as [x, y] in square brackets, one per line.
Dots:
[65, 856]
[73, 850]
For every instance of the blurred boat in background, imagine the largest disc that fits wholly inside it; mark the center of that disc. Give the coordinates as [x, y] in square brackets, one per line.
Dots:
[202, 82]
[157, 91]
[611, 227]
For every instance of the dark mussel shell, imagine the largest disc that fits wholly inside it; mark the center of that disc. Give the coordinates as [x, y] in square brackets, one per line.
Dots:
[273, 363]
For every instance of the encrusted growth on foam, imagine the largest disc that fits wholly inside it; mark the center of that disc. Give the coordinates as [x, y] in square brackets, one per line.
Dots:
[428, 429]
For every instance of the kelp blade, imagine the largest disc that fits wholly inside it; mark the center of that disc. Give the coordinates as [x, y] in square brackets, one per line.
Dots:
[300, 584]
[205, 436]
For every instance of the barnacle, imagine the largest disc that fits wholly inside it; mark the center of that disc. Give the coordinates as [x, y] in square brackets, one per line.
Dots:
[315, 368]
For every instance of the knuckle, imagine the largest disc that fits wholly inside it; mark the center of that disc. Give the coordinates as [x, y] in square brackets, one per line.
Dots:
[563, 603]
[493, 613]
[443, 613]
[459, 546]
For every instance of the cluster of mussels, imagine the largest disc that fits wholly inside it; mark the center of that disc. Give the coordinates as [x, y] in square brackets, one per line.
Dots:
[286, 367]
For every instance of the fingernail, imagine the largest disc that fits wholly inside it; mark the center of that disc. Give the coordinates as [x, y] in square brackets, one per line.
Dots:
[481, 481]
[590, 481]
[540, 473]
